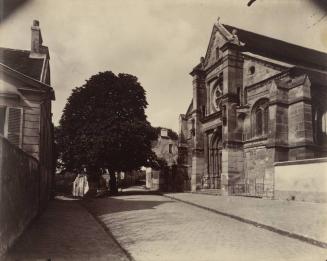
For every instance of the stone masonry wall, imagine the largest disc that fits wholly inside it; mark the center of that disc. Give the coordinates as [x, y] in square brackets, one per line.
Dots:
[255, 165]
[19, 192]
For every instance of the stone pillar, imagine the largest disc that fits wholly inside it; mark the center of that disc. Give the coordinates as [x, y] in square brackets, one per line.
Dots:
[197, 169]
[199, 98]
[232, 165]
[300, 134]
[206, 155]
[224, 172]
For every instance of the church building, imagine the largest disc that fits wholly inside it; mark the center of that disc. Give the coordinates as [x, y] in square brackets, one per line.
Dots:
[256, 101]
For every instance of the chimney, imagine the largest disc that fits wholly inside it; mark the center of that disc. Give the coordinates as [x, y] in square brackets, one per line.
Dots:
[164, 132]
[36, 40]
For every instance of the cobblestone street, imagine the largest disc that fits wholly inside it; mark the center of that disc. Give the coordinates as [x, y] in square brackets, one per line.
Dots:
[150, 227]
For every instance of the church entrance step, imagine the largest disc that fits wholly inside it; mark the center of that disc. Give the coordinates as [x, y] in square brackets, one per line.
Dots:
[214, 192]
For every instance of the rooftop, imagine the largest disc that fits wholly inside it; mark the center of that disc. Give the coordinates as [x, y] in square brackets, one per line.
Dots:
[280, 50]
[19, 60]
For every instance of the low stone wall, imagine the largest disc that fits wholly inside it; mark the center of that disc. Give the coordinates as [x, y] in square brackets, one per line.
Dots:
[19, 192]
[301, 180]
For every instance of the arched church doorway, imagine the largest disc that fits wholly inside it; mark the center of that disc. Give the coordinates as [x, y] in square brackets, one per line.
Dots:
[215, 160]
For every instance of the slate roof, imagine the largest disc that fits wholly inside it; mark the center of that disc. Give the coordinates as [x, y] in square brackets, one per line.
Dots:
[280, 50]
[19, 60]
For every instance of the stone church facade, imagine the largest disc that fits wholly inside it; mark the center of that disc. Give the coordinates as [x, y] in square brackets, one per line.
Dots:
[256, 101]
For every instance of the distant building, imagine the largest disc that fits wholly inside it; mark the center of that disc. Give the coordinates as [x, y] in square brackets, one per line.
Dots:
[26, 135]
[165, 147]
[256, 101]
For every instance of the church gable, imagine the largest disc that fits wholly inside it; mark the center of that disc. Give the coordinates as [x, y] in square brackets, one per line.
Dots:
[255, 70]
[213, 52]
[219, 36]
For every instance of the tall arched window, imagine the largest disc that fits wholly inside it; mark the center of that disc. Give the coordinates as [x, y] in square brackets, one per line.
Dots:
[322, 129]
[258, 122]
[260, 118]
[319, 125]
[324, 123]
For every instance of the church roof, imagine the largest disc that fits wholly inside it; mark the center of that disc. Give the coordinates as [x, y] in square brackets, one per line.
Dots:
[280, 50]
[20, 61]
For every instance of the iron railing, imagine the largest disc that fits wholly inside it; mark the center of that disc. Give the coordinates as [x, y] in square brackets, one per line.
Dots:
[211, 182]
[256, 189]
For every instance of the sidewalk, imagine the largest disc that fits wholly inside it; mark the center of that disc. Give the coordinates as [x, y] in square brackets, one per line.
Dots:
[302, 220]
[66, 231]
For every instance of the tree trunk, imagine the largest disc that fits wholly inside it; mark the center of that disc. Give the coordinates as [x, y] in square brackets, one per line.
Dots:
[113, 183]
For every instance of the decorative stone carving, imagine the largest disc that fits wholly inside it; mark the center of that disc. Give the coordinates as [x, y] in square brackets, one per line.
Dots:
[217, 95]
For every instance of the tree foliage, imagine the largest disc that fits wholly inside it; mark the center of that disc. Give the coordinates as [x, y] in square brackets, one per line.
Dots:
[104, 125]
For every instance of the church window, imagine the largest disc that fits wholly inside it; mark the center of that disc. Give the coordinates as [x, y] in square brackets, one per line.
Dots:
[203, 111]
[2, 120]
[258, 121]
[266, 117]
[324, 123]
[319, 126]
[238, 96]
[193, 128]
[224, 115]
[252, 70]
[260, 117]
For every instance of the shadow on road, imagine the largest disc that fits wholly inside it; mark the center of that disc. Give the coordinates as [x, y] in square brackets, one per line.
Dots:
[126, 202]
[65, 231]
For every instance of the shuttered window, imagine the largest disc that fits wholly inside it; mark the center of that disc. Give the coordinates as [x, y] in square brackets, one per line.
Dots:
[14, 118]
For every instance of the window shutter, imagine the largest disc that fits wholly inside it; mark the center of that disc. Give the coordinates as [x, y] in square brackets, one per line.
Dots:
[14, 125]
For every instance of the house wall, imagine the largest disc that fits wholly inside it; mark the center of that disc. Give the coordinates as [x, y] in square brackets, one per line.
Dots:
[19, 192]
[161, 149]
[30, 102]
[47, 152]
[26, 172]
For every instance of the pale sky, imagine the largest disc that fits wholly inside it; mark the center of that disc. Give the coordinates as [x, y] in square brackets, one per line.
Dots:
[159, 41]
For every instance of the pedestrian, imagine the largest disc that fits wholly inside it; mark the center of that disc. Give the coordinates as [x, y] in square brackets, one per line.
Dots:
[80, 184]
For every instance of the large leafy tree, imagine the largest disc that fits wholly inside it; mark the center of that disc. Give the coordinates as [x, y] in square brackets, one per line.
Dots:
[104, 126]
